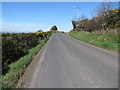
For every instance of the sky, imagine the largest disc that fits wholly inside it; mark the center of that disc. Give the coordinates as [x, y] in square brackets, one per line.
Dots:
[34, 16]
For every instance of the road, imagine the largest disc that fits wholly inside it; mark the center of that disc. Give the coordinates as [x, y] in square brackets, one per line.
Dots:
[69, 63]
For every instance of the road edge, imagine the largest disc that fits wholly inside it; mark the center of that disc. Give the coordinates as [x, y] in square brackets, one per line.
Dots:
[24, 78]
[100, 48]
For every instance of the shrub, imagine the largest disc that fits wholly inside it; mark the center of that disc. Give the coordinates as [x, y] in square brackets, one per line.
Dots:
[10, 80]
[54, 28]
[15, 46]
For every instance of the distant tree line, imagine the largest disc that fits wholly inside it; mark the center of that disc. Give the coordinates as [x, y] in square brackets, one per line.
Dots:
[105, 18]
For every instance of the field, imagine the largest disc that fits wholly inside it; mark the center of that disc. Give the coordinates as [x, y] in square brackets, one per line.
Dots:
[106, 41]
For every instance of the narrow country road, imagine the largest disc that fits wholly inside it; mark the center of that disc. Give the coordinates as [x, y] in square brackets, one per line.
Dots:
[69, 63]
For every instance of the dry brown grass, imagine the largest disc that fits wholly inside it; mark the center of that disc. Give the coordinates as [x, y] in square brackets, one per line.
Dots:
[108, 31]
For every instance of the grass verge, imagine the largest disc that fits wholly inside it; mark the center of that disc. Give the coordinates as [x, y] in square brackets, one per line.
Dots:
[10, 80]
[106, 41]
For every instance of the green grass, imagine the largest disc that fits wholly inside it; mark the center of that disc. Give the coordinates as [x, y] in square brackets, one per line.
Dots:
[10, 80]
[107, 41]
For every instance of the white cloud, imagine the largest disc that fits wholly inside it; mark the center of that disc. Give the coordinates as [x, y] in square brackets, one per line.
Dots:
[20, 27]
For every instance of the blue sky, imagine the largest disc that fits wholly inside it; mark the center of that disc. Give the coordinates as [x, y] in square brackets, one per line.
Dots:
[32, 16]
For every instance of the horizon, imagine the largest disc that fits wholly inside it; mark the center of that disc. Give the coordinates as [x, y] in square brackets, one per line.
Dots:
[33, 16]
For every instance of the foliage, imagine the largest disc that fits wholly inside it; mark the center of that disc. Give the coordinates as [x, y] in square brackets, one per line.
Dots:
[113, 19]
[102, 21]
[54, 28]
[40, 31]
[15, 46]
[10, 80]
[115, 10]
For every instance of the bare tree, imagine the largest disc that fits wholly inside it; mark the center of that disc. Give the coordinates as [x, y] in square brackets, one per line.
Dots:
[103, 12]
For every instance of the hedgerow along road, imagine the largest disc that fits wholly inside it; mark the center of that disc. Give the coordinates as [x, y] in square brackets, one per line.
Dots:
[68, 63]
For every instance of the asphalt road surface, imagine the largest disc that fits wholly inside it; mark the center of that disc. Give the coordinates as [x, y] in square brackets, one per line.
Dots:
[69, 63]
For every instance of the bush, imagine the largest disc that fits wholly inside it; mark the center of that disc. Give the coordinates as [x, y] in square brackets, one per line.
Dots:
[54, 28]
[98, 23]
[10, 80]
[15, 46]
